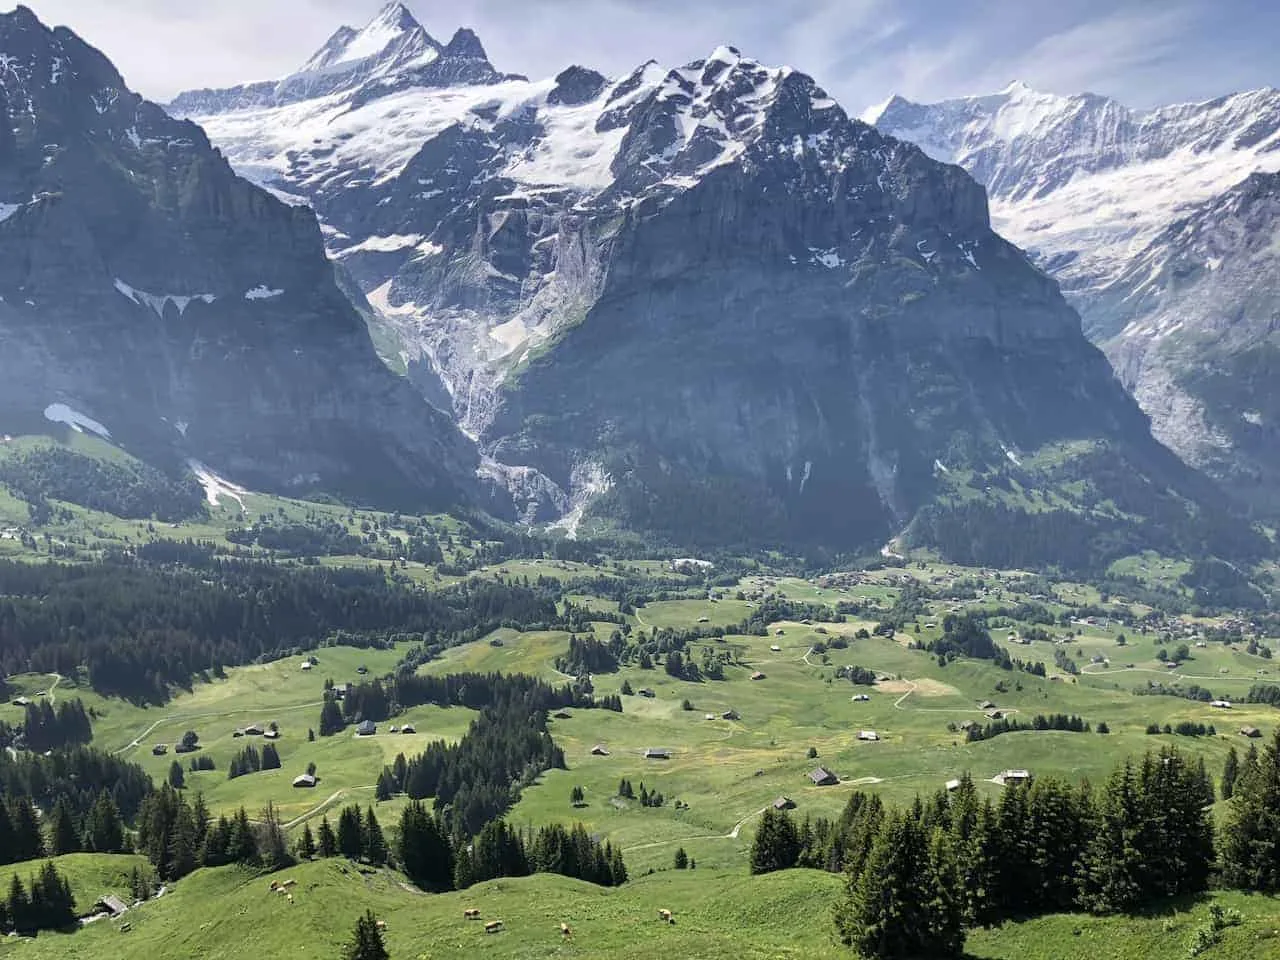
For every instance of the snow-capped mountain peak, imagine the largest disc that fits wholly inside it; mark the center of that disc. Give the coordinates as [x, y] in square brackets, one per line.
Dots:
[391, 34]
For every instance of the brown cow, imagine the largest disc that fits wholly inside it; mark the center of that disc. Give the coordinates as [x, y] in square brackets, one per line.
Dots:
[493, 926]
[665, 915]
[566, 931]
[471, 914]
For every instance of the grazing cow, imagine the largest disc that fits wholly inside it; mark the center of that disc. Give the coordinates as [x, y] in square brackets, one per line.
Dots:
[665, 915]
[471, 913]
[493, 926]
[566, 931]
[290, 898]
[381, 924]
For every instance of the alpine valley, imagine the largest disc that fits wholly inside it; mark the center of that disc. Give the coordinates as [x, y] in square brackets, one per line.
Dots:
[707, 305]
[1162, 228]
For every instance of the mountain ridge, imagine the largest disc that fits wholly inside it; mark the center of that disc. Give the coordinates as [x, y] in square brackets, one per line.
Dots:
[147, 288]
[706, 304]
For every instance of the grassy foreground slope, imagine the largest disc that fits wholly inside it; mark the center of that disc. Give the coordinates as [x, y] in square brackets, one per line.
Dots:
[91, 875]
[229, 913]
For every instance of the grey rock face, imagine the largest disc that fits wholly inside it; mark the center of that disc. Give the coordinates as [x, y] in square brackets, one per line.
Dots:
[146, 285]
[700, 302]
[1160, 227]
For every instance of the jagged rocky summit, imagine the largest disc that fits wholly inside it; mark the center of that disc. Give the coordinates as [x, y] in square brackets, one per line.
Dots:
[149, 293]
[1161, 227]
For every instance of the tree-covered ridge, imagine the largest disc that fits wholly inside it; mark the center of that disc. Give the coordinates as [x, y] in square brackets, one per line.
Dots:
[137, 629]
[78, 776]
[129, 489]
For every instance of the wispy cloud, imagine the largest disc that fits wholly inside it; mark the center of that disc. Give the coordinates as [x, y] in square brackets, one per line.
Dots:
[1141, 51]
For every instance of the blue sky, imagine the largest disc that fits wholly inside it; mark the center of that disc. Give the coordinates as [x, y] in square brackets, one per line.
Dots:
[1143, 52]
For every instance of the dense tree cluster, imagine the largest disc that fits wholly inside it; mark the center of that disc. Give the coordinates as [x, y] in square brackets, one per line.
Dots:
[587, 655]
[918, 876]
[132, 490]
[44, 903]
[1055, 721]
[78, 775]
[436, 862]
[250, 760]
[45, 727]
[177, 836]
[139, 629]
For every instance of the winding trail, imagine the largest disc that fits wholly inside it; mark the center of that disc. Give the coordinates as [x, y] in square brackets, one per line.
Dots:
[731, 835]
[897, 704]
[1103, 671]
[57, 679]
[324, 805]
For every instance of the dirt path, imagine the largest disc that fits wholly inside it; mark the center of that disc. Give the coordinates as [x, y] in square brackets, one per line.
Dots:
[1103, 671]
[731, 835]
[325, 805]
[897, 704]
[57, 679]
[180, 717]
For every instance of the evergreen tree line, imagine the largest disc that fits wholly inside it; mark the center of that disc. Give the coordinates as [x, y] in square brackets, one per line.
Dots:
[380, 700]
[23, 836]
[918, 876]
[435, 861]
[249, 760]
[139, 629]
[478, 778]
[1055, 721]
[45, 728]
[177, 836]
[588, 655]
[1184, 728]
[44, 903]
[78, 776]
[1268, 693]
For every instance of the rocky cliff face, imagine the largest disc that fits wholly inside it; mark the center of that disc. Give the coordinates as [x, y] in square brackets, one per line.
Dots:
[148, 289]
[703, 302]
[1201, 344]
[1159, 225]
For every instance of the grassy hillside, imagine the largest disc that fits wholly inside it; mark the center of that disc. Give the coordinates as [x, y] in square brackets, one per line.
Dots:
[228, 913]
[91, 875]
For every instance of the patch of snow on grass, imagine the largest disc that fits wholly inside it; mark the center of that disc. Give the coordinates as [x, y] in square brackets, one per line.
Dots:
[215, 486]
[77, 421]
[827, 258]
[7, 210]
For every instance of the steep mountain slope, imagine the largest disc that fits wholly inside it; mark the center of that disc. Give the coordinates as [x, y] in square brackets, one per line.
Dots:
[148, 292]
[1202, 343]
[1148, 221]
[709, 305]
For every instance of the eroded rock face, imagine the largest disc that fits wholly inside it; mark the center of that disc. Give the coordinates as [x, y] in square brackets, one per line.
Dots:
[191, 312]
[703, 302]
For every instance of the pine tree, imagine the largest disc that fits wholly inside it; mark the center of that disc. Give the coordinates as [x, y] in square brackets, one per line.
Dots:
[898, 907]
[273, 849]
[424, 852]
[1251, 836]
[177, 779]
[374, 844]
[328, 843]
[776, 845]
[681, 859]
[8, 842]
[331, 720]
[105, 831]
[307, 844]
[63, 836]
[28, 844]
[1112, 868]
[19, 907]
[350, 838]
[367, 943]
[1230, 770]
[215, 851]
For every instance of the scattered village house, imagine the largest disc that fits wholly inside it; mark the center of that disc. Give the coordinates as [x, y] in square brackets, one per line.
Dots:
[408, 728]
[822, 777]
[599, 750]
[1220, 704]
[253, 730]
[160, 749]
[953, 785]
[731, 715]
[868, 735]
[111, 905]
[366, 728]
[305, 780]
[657, 753]
[758, 675]
[1012, 777]
[784, 803]
[1250, 732]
